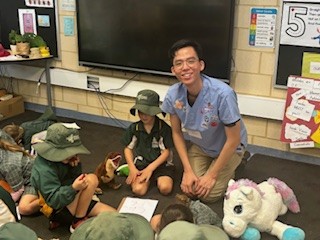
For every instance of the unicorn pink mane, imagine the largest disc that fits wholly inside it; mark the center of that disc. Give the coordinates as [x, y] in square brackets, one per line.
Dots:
[242, 182]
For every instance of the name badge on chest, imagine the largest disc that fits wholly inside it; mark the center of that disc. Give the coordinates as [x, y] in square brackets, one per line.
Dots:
[195, 134]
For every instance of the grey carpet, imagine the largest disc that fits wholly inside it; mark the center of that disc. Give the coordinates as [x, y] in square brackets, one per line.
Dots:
[101, 139]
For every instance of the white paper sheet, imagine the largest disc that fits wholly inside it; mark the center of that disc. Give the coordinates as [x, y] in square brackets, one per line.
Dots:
[143, 207]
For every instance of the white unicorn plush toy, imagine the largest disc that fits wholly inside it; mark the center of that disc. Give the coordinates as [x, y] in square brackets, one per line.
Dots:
[251, 208]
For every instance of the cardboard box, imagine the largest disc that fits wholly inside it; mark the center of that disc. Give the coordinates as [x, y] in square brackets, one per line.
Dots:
[11, 107]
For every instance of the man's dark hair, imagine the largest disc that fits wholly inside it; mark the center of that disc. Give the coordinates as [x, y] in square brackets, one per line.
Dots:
[182, 44]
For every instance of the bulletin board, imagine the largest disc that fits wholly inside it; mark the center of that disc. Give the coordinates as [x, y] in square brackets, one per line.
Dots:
[301, 121]
[300, 33]
[9, 19]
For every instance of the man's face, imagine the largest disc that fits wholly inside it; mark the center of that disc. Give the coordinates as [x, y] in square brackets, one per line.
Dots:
[187, 66]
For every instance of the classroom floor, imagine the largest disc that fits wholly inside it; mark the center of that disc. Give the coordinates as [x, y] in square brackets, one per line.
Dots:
[100, 139]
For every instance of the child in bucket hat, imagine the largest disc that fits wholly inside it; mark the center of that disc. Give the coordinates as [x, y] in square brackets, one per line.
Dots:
[190, 231]
[147, 102]
[114, 226]
[148, 146]
[65, 192]
[15, 230]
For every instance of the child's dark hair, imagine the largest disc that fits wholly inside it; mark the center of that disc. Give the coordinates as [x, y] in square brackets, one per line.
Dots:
[175, 212]
[182, 44]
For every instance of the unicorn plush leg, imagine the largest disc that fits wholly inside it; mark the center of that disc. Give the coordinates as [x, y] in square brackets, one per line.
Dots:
[286, 232]
[293, 233]
[251, 234]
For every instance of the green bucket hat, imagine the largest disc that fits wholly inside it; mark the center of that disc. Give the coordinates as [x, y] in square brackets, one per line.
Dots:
[147, 102]
[61, 143]
[15, 230]
[114, 226]
[189, 231]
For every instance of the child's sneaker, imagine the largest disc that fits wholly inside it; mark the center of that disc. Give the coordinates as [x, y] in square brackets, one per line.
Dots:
[73, 226]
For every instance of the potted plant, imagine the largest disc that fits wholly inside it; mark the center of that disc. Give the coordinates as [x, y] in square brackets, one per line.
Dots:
[37, 43]
[34, 40]
[26, 43]
[23, 46]
[12, 41]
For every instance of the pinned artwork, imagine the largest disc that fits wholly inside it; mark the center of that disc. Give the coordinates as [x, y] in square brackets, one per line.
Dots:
[68, 26]
[301, 121]
[39, 3]
[27, 21]
[43, 21]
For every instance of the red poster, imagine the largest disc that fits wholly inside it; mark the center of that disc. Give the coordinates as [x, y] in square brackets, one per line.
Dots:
[301, 121]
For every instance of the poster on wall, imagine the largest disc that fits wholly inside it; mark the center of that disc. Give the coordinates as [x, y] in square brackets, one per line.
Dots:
[299, 33]
[300, 24]
[311, 65]
[68, 23]
[68, 5]
[27, 21]
[262, 27]
[301, 121]
[39, 3]
[43, 20]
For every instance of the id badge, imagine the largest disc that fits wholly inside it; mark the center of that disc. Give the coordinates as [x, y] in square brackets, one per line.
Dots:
[195, 134]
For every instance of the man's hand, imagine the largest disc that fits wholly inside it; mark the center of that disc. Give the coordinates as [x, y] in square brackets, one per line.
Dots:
[188, 183]
[204, 186]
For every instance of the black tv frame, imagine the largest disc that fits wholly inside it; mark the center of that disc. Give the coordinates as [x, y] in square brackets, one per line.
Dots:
[135, 35]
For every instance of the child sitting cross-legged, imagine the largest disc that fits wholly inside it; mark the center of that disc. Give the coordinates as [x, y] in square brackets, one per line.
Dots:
[65, 192]
[148, 147]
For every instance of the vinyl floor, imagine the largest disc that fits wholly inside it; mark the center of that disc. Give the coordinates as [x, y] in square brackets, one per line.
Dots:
[100, 139]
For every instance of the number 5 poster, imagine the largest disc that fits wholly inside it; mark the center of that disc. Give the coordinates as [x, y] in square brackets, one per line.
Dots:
[300, 24]
[301, 122]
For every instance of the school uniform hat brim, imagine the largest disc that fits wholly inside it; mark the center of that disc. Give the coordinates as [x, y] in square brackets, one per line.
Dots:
[15, 230]
[189, 231]
[61, 142]
[114, 225]
[147, 102]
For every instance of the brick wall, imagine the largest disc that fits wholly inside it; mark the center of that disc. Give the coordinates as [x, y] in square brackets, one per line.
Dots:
[252, 75]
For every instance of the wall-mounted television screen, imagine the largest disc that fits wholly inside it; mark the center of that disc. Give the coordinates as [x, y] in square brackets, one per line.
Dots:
[136, 35]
